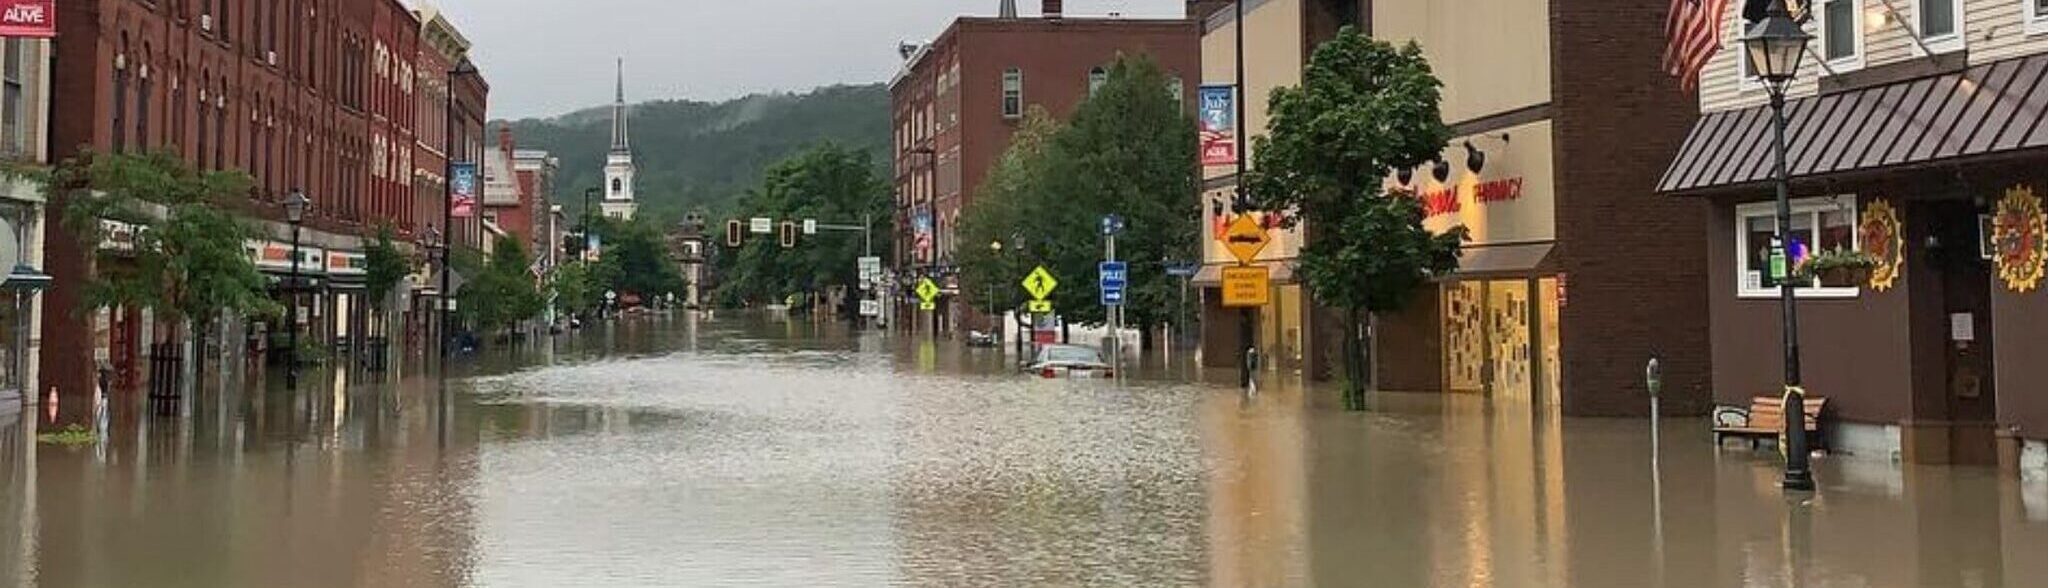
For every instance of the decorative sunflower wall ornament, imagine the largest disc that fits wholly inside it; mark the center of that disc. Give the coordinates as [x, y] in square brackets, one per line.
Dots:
[2018, 230]
[1883, 237]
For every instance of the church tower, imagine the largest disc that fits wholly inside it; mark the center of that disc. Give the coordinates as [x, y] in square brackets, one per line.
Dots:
[618, 164]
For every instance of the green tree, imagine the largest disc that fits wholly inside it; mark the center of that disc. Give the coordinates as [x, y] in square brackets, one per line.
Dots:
[1129, 150]
[635, 260]
[386, 267]
[575, 287]
[827, 183]
[1364, 107]
[187, 261]
[1001, 212]
[504, 293]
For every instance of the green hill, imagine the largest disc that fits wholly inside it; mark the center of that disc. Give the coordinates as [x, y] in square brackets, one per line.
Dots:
[704, 155]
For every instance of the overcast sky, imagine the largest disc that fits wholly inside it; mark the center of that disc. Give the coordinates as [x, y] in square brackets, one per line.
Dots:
[548, 57]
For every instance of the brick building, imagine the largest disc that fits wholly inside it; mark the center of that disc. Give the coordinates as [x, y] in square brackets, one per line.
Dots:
[957, 99]
[1575, 276]
[1915, 137]
[313, 95]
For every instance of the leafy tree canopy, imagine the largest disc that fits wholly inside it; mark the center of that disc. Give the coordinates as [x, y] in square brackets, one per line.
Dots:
[828, 183]
[505, 292]
[1364, 108]
[1128, 150]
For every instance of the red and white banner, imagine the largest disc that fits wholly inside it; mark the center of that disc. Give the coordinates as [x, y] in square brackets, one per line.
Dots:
[35, 19]
[462, 187]
[1218, 125]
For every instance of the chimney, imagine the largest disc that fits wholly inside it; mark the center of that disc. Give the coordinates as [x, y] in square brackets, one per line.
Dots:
[505, 138]
[1052, 9]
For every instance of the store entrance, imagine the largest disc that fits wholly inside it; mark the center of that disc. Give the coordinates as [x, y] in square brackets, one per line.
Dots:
[1970, 397]
[1500, 339]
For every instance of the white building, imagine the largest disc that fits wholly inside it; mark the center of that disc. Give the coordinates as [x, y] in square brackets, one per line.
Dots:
[618, 164]
[24, 113]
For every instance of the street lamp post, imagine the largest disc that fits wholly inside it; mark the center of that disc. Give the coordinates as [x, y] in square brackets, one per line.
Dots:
[448, 197]
[1774, 46]
[294, 213]
[430, 246]
[995, 325]
[1242, 203]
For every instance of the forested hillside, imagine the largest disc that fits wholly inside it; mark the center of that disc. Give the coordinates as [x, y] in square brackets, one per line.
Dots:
[704, 155]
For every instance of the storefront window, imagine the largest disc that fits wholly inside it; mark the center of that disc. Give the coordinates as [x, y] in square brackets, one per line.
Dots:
[1836, 219]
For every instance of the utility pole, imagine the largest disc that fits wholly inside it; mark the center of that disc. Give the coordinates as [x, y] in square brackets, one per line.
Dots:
[1243, 204]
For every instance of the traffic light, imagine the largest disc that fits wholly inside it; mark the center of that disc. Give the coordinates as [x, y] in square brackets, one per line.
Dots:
[572, 246]
[732, 233]
[788, 234]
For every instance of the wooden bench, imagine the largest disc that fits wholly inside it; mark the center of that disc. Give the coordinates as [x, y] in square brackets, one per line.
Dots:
[1766, 420]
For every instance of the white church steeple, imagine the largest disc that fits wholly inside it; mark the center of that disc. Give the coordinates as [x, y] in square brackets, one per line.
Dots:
[618, 164]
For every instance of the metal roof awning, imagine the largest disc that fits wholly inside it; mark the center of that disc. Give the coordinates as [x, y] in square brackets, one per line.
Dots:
[1501, 259]
[1986, 110]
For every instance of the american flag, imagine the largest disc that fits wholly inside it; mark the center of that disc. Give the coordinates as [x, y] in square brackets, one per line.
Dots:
[1692, 33]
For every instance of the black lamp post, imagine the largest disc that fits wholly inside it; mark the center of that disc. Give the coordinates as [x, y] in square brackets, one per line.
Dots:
[994, 324]
[1774, 46]
[294, 213]
[448, 196]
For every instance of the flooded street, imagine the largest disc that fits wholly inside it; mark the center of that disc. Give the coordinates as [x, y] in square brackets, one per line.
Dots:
[746, 451]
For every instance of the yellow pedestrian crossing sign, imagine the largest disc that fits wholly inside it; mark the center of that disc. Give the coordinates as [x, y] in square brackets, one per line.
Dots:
[1040, 285]
[927, 294]
[1039, 306]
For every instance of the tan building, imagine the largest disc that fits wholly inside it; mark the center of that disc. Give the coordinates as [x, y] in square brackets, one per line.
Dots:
[1914, 135]
[24, 115]
[1557, 303]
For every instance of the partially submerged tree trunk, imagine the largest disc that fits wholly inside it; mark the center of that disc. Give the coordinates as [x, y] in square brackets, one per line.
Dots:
[1357, 358]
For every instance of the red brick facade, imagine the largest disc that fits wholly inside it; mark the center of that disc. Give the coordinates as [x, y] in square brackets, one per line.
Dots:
[950, 124]
[313, 95]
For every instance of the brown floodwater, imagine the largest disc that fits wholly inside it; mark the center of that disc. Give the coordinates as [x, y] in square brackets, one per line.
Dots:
[747, 451]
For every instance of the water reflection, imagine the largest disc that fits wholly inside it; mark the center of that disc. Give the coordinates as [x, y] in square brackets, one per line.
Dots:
[666, 451]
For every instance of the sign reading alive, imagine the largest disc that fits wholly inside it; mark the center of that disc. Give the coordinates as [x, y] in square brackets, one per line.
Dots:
[29, 19]
[1246, 286]
[1218, 125]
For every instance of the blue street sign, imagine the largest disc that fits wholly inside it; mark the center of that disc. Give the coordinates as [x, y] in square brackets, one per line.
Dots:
[1113, 278]
[1112, 224]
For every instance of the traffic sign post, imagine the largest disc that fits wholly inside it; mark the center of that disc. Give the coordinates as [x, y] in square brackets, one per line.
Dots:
[1245, 238]
[927, 294]
[1246, 287]
[1040, 283]
[1112, 278]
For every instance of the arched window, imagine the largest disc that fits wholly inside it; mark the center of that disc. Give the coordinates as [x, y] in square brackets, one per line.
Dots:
[142, 98]
[120, 142]
[220, 125]
[618, 187]
[199, 154]
[1096, 78]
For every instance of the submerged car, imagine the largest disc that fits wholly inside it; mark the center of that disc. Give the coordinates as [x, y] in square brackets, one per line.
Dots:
[1069, 361]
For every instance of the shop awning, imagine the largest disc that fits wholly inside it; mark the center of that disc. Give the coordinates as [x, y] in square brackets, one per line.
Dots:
[1212, 274]
[1501, 259]
[1960, 117]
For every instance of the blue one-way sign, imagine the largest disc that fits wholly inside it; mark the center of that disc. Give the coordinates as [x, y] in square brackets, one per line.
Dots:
[1112, 281]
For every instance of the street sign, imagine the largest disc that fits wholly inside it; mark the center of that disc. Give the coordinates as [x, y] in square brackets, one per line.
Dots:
[1245, 238]
[760, 225]
[870, 270]
[871, 308]
[927, 294]
[810, 226]
[1040, 283]
[1182, 269]
[1112, 279]
[1245, 286]
[1039, 306]
[1112, 224]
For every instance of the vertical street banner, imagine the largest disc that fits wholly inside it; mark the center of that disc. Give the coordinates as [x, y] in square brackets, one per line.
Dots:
[462, 189]
[1219, 125]
[28, 19]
